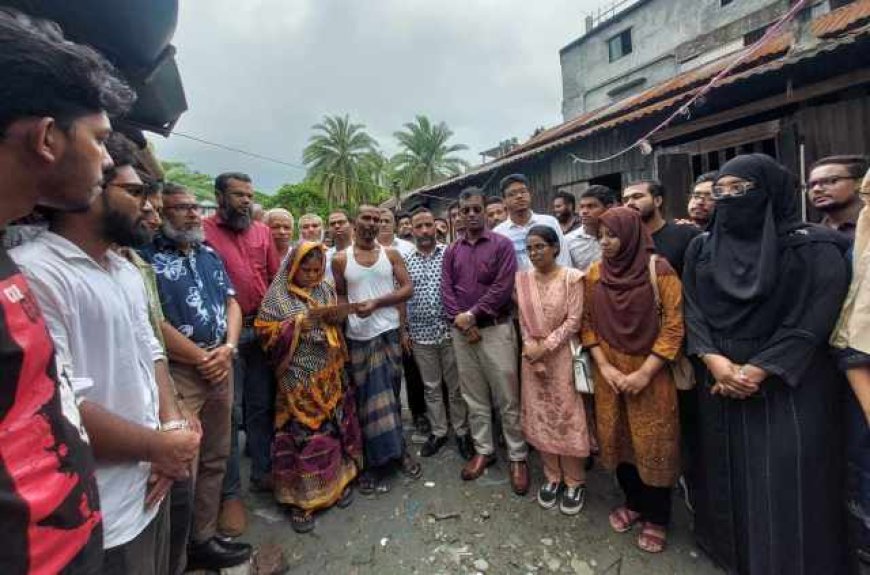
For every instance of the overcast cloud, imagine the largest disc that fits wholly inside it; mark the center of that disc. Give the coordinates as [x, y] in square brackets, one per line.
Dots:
[259, 74]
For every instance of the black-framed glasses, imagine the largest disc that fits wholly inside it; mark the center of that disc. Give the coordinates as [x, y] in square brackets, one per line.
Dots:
[701, 196]
[828, 182]
[732, 190]
[471, 210]
[183, 207]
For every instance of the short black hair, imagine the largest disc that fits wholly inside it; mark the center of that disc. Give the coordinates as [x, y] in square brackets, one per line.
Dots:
[566, 197]
[44, 75]
[471, 192]
[655, 187]
[123, 153]
[547, 234]
[453, 204]
[706, 177]
[341, 211]
[420, 210]
[855, 165]
[511, 179]
[403, 214]
[222, 182]
[492, 200]
[603, 194]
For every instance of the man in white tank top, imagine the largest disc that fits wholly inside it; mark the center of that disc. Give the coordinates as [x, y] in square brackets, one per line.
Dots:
[374, 277]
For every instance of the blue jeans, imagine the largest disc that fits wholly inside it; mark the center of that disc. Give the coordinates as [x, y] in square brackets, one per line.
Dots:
[253, 392]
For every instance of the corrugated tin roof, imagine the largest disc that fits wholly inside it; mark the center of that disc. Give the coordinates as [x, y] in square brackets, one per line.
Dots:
[840, 22]
[841, 19]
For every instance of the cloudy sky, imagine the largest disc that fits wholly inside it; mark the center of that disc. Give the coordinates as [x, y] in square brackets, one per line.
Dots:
[259, 73]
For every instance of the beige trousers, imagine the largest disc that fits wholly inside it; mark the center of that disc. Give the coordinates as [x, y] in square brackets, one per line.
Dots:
[437, 362]
[487, 372]
[212, 405]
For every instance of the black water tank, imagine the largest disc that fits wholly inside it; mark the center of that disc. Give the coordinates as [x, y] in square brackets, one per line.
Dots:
[136, 36]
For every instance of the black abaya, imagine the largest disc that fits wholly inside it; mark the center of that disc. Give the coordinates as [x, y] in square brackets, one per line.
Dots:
[769, 495]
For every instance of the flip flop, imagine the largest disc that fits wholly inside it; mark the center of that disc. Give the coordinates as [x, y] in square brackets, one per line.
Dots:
[300, 521]
[411, 467]
[346, 498]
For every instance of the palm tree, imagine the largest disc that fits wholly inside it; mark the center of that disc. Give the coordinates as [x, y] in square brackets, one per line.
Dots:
[335, 157]
[425, 156]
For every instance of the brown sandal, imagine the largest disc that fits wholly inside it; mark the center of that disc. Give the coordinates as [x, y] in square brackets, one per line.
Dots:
[622, 519]
[652, 538]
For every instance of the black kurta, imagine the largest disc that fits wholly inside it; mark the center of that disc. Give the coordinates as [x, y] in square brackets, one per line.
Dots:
[769, 495]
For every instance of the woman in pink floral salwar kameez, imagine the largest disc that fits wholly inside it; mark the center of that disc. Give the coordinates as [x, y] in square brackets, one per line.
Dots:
[550, 299]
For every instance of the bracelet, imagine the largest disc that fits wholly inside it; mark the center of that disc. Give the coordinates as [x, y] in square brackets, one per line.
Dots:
[174, 424]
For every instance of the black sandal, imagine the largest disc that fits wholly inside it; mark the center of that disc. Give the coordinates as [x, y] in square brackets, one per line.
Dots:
[346, 498]
[411, 467]
[301, 521]
[366, 484]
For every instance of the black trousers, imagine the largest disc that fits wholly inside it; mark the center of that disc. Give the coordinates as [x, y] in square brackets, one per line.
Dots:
[180, 521]
[653, 503]
[146, 554]
[416, 397]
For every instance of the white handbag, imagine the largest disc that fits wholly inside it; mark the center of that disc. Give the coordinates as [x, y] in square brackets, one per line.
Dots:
[582, 363]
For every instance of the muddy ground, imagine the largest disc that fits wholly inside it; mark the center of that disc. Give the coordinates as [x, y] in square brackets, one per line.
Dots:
[441, 524]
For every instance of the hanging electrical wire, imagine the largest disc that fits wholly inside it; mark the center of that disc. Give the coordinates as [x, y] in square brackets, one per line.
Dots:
[684, 110]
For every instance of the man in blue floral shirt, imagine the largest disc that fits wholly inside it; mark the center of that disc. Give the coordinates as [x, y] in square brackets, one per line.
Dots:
[201, 329]
[429, 332]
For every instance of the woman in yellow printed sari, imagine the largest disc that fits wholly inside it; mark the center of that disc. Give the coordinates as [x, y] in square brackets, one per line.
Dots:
[317, 450]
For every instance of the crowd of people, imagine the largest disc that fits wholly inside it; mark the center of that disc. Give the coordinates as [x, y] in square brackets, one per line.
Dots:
[727, 354]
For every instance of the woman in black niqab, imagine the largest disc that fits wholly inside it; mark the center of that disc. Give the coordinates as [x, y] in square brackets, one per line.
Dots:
[761, 295]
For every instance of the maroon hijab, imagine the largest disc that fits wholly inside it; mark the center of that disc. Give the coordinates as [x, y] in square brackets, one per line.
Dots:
[623, 303]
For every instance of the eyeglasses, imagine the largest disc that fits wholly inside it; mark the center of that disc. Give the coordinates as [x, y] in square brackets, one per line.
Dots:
[701, 197]
[471, 210]
[732, 190]
[828, 182]
[183, 207]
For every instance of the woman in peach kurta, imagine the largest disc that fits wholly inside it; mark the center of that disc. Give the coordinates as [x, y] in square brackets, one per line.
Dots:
[550, 299]
[635, 397]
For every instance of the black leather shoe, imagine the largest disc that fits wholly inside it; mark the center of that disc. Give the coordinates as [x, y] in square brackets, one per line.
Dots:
[465, 445]
[231, 545]
[211, 555]
[432, 446]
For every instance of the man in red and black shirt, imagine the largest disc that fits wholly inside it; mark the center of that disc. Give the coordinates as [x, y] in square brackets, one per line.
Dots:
[55, 102]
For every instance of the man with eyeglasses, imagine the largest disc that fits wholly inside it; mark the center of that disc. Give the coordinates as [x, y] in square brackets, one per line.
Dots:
[477, 282]
[701, 201]
[833, 187]
[518, 200]
[251, 260]
[96, 308]
[201, 329]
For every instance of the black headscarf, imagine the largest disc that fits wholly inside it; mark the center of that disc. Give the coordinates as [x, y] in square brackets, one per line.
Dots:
[745, 232]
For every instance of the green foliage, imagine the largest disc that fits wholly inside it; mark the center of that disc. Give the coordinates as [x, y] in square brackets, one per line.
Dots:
[341, 159]
[202, 185]
[425, 156]
[304, 197]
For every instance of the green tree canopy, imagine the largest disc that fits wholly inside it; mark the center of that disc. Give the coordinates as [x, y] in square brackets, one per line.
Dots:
[339, 157]
[425, 155]
[304, 197]
[201, 185]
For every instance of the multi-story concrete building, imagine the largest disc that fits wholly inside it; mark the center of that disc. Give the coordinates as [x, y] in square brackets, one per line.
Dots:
[633, 44]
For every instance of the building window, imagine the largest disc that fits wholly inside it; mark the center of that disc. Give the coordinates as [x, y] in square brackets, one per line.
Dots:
[619, 45]
[725, 2]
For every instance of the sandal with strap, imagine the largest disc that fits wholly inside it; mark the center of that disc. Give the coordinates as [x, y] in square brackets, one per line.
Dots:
[622, 519]
[652, 538]
[346, 498]
[301, 521]
[411, 467]
[366, 484]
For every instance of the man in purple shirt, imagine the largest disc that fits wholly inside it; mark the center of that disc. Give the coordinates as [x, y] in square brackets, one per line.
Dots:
[477, 280]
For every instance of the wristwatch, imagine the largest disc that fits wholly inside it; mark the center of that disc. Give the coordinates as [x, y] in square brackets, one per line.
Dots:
[233, 348]
[174, 424]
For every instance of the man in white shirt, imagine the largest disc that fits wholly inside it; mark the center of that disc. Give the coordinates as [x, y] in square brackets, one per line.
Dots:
[583, 241]
[518, 199]
[387, 234]
[96, 308]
